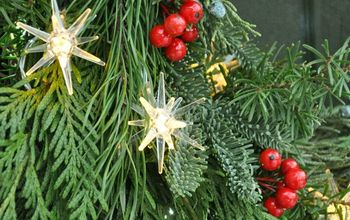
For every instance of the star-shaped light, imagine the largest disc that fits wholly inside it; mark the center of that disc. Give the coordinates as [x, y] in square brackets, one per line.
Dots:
[61, 44]
[162, 124]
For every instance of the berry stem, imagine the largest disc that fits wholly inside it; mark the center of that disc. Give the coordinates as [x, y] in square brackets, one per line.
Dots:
[267, 179]
[165, 9]
[267, 186]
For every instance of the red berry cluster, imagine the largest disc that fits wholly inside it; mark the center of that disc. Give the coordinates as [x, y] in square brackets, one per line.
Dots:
[176, 25]
[286, 191]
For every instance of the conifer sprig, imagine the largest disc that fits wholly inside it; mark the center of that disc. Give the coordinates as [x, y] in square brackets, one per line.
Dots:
[76, 158]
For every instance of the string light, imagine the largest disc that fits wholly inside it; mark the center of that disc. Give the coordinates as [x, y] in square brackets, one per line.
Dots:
[61, 44]
[162, 123]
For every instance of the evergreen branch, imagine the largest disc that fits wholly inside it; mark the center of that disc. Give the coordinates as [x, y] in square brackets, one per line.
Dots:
[303, 99]
[236, 156]
[191, 85]
[263, 135]
[186, 170]
[224, 205]
[50, 107]
[234, 17]
[187, 164]
[248, 56]
[62, 157]
[32, 192]
[15, 150]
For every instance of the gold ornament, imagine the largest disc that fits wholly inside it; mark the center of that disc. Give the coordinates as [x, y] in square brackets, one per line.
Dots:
[338, 208]
[162, 124]
[61, 44]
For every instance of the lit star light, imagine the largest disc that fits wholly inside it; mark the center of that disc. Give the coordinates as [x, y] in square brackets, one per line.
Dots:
[161, 123]
[61, 44]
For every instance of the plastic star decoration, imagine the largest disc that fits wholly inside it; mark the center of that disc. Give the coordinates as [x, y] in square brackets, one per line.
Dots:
[162, 124]
[61, 44]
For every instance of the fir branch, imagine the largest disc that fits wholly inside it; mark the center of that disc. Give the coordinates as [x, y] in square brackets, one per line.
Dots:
[62, 156]
[192, 85]
[224, 205]
[236, 156]
[186, 170]
[262, 135]
[303, 100]
[187, 164]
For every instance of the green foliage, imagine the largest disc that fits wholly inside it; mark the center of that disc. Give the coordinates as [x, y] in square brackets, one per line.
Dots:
[33, 194]
[187, 164]
[261, 134]
[224, 205]
[47, 134]
[74, 157]
[15, 150]
[186, 170]
[235, 153]
[333, 136]
[190, 83]
[250, 57]
[297, 95]
[327, 171]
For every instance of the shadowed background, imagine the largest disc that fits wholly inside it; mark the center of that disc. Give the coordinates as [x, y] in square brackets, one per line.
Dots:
[287, 21]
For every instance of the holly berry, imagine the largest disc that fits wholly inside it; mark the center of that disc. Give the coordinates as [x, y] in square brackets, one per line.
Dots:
[270, 159]
[159, 38]
[295, 179]
[288, 164]
[280, 184]
[272, 208]
[175, 24]
[190, 34]
[185, 1]
[286, 198]
[176, 51]
[192, 11]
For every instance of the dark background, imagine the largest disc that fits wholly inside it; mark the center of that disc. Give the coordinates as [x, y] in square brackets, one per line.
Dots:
[308, 21]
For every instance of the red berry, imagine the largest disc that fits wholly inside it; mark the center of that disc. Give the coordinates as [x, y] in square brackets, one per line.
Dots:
[272, 208]
[192, 11]
[176, 51]
[190, 34]
[175, 24]
[295, 179]
[286, 198]
[270, 159]
[159, 38]
[280, 184]
[288, 164]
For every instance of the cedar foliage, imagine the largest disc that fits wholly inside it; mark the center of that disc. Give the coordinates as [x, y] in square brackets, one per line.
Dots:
[74, 157]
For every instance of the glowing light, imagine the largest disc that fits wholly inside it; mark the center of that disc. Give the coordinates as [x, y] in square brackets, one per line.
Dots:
[162, 124]
[61, 44]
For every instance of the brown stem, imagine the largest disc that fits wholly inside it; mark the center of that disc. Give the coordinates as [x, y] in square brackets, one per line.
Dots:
[165, 9]
[266, 179]
[267, 186]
